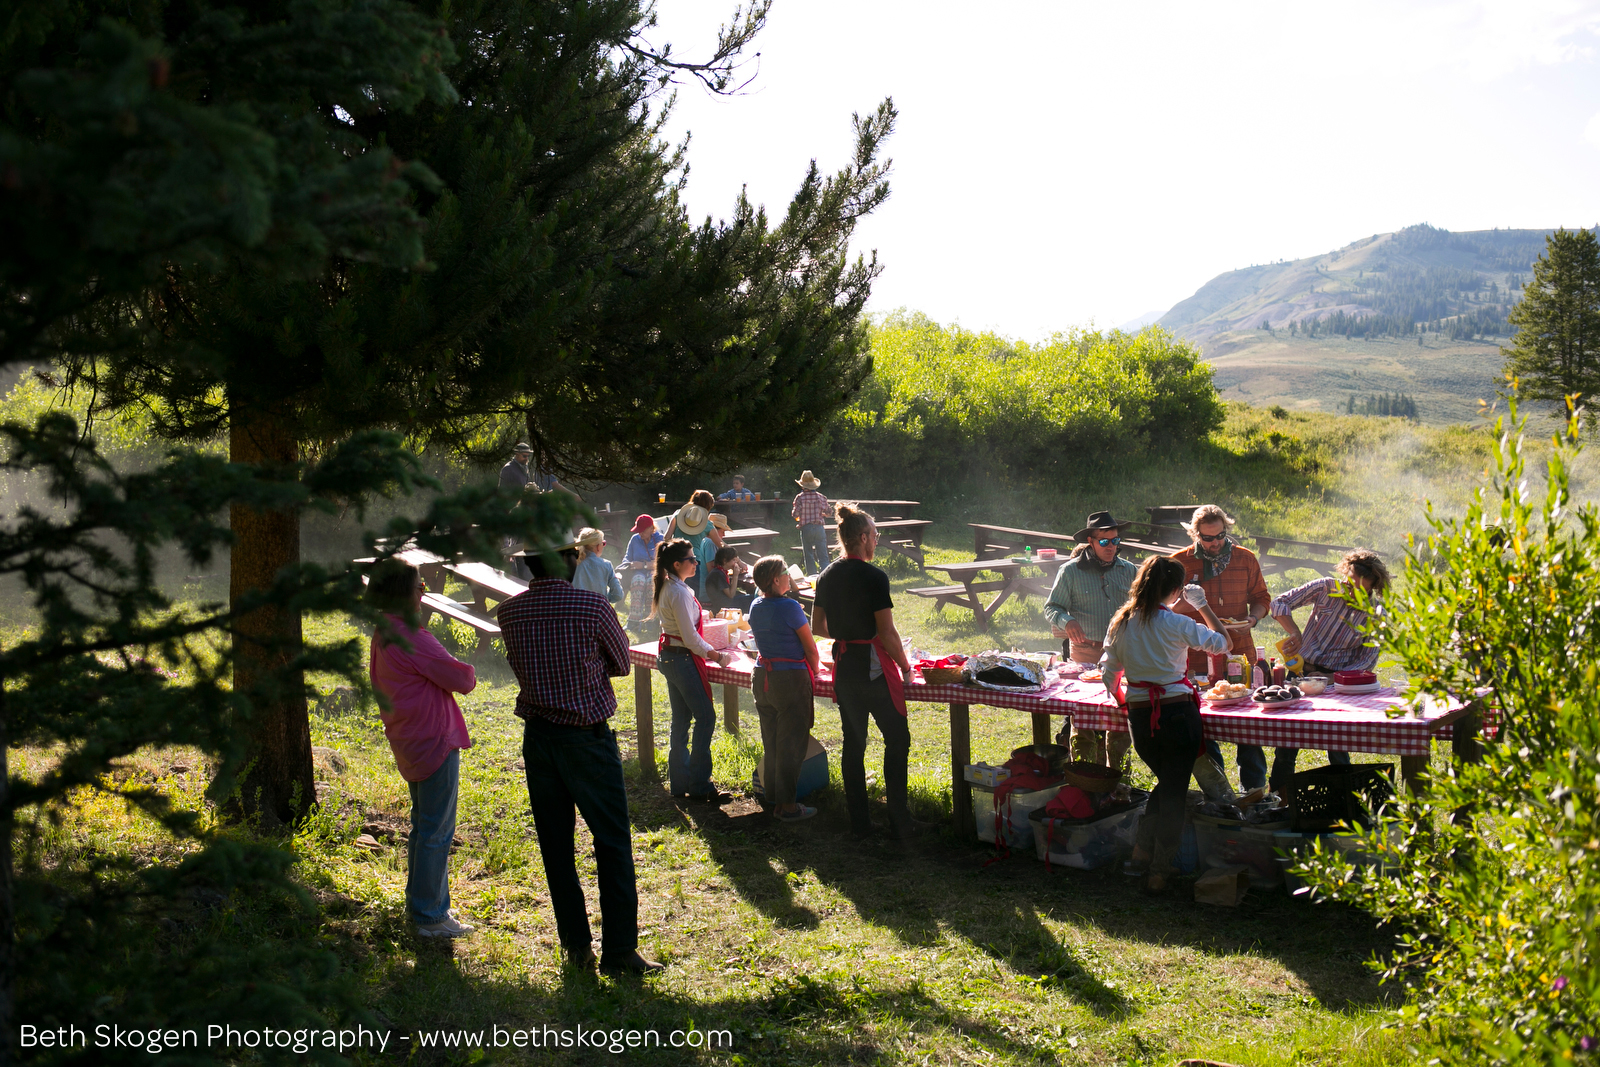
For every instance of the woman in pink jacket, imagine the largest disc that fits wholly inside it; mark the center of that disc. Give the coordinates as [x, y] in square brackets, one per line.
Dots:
[414, 677]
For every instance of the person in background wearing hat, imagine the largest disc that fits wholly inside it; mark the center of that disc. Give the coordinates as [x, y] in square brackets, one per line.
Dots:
[594, 572]
[738, 492]
[1088, 590]
[416, 679]
[1235, 587]
[517, 475]
[682, 661]
[811, 514]
[565, 646]
[693, 523]
[640, 563]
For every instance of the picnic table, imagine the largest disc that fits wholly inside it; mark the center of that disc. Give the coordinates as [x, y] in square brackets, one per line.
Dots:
[902, 536]
[1348, 723]
[993, 542]
[1273, 562]
[968, 592]
[758, 539]
[886, 509]
[433, 569]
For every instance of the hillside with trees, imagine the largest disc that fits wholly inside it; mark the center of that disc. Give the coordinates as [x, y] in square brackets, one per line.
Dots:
[1421, 312]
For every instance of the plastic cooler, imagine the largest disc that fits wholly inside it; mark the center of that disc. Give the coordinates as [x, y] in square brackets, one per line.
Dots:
[1015, 808]
[1224, 843]
[1087, 843]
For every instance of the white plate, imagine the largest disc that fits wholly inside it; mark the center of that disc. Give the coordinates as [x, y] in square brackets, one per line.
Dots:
[1356, 690]
[1279, 705]
[1241, 698]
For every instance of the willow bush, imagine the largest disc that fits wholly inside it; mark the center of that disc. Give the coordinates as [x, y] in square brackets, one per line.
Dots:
[944, 404]
[1495, 882]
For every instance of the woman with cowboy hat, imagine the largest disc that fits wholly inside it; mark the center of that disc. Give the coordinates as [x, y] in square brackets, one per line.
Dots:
[692, 523]
[811, 513]
[1088, 589]
[594, 572]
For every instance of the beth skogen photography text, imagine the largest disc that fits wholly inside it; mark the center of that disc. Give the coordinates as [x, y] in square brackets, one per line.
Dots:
[799, 533]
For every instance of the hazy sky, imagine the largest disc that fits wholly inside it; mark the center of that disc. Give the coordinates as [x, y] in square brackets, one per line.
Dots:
[1062, 162]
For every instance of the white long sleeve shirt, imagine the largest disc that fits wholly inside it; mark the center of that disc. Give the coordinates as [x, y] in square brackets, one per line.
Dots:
[1156, 651]
[679, 611]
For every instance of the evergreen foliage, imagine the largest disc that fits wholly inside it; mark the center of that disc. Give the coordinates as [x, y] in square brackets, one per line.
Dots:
[551, 287]
[1556, 351]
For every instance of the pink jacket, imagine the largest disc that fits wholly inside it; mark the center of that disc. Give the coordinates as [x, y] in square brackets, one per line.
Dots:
[423, 723]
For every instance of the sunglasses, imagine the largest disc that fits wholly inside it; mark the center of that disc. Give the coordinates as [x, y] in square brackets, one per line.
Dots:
[1213, 537]
[1104, 541]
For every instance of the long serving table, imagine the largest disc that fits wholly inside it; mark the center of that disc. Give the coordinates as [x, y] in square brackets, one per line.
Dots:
[1347, 723]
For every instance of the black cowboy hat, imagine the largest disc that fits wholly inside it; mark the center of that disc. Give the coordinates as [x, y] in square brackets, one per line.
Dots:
[1100, 520]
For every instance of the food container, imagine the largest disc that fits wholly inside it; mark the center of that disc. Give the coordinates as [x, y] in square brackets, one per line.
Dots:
[1058, 755]
[941, 675]
[718, 633]
[1047, 553]
[1314, 686]
[1087, 843]
[1354, 678]
[985, 774]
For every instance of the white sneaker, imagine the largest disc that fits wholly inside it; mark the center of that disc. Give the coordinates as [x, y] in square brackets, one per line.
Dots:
[449, 926]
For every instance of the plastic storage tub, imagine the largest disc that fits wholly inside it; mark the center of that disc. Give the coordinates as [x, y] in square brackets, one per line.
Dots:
[1222, 844]
[1015, 807]
[1087, 843]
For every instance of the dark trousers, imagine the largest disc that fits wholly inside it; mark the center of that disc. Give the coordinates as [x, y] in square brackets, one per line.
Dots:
[578, 768]
[857, 702]
[1283, 758]
[783, 702]
[1170, 753]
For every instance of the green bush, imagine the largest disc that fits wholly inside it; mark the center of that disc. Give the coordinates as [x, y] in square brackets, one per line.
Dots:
[1497, 887]
[945, 405]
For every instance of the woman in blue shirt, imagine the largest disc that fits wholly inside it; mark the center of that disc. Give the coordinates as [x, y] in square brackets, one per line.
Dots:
[786, 663]
[594, 572]
[640, 563]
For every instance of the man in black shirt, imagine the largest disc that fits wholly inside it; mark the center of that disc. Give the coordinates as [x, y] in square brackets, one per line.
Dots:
[855, 609]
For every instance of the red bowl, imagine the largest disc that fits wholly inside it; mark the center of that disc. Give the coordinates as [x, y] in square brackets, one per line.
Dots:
[1354, 677]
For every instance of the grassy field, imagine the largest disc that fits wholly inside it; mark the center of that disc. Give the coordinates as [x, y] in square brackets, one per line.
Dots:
[806, 946]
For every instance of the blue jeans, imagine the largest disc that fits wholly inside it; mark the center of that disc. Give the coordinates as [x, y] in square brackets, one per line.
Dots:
[579, 768]
[1252, 763]
[433, 827]
[688, 761]
[1283, 766]
[814, 548]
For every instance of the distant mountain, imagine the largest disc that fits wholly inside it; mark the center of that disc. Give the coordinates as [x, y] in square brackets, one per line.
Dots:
[1135, 325]
[1420, 312]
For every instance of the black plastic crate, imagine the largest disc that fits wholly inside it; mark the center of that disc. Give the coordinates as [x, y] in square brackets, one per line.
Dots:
[1324, 797]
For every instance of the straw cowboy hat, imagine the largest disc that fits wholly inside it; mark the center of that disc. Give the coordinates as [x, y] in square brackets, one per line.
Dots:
[528, 551]
[1100, 522]
[692, 520]
[807, 480]
[719, 520]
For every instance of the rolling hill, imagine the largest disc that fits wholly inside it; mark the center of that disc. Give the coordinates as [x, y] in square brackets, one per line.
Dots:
[1420, 312]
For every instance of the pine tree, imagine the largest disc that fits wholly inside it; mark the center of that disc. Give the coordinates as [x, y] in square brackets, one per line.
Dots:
[1556, 349]
[566, 298]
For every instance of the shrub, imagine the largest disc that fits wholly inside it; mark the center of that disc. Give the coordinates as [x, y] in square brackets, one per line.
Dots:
[944, 404]
[1498, 887]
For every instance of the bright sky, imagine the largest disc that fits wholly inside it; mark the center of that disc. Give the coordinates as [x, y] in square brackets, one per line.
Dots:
[1062, 162]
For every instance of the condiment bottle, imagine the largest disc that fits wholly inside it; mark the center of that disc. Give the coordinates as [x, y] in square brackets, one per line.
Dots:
[1279, 673]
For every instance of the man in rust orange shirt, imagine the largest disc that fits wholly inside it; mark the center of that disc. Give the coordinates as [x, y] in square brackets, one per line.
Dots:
[1235, 588]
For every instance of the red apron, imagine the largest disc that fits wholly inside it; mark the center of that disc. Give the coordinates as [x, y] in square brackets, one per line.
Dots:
[699, 664]
[766, 679]
[891, 671]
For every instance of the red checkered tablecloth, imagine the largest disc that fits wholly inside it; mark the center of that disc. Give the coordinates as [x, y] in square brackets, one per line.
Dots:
[1341, 723]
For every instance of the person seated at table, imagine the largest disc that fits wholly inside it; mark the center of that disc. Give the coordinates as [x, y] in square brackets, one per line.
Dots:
[870, 670]
[682, 661]
[594, 572]
[640, 563]
[1148, 644]
[1235, 587]
[787, 662]
[1333, 639]
[722, 581]
[738, 492]
[1088, 589]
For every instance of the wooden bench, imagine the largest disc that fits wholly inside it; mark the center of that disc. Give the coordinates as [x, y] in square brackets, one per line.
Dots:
[969, 594]
[453, 609]
[487, 581]
[908, 544]
[998, 542]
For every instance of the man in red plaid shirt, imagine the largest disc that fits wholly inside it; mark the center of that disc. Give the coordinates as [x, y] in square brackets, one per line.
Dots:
[811, 513]
[565, 646]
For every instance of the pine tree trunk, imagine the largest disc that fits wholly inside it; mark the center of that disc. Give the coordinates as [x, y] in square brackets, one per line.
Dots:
[8, 932]
[278, 786]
